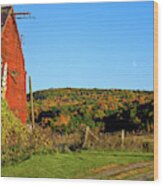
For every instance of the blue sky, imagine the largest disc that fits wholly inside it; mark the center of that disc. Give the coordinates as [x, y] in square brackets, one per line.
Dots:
[89, 45]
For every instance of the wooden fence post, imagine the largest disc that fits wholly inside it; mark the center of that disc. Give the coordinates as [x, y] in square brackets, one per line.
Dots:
[123, 138]
[31, 101]
[86, 137]
[87, 132]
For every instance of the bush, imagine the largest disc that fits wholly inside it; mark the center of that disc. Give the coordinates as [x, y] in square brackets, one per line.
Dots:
[15, 137]
[19, 141]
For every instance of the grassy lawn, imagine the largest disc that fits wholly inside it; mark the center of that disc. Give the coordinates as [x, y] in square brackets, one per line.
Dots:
[73, 165]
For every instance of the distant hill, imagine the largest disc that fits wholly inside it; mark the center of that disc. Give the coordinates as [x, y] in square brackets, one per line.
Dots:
[69, 109]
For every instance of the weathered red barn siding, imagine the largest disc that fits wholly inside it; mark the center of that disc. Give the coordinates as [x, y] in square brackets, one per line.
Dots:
[13, 56]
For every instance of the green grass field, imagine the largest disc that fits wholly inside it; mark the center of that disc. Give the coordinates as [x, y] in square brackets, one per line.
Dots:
[85, 164]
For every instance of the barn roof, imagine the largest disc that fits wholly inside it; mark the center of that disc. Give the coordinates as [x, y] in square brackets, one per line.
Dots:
[4, 13]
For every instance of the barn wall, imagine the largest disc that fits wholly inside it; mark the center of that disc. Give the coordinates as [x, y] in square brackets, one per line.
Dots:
[12, 54]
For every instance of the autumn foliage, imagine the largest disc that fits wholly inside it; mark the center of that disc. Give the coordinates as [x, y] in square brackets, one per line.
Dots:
[66, 110]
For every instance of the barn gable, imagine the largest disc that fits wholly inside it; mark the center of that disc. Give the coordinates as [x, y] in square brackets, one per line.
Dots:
[13, 63]
[4, 14]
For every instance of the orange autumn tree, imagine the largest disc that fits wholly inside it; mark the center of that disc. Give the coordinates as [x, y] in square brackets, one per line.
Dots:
[62, 120]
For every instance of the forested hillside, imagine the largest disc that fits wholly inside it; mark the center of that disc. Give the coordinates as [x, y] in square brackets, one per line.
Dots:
[67, 110]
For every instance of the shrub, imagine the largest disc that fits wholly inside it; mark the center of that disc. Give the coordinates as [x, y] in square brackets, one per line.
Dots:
[15, 137]
[19, 141]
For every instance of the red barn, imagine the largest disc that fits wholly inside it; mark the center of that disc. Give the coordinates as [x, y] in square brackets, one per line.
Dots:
[12, 65]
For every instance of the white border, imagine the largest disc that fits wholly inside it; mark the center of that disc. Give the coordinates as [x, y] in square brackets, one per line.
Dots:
[68, 182]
